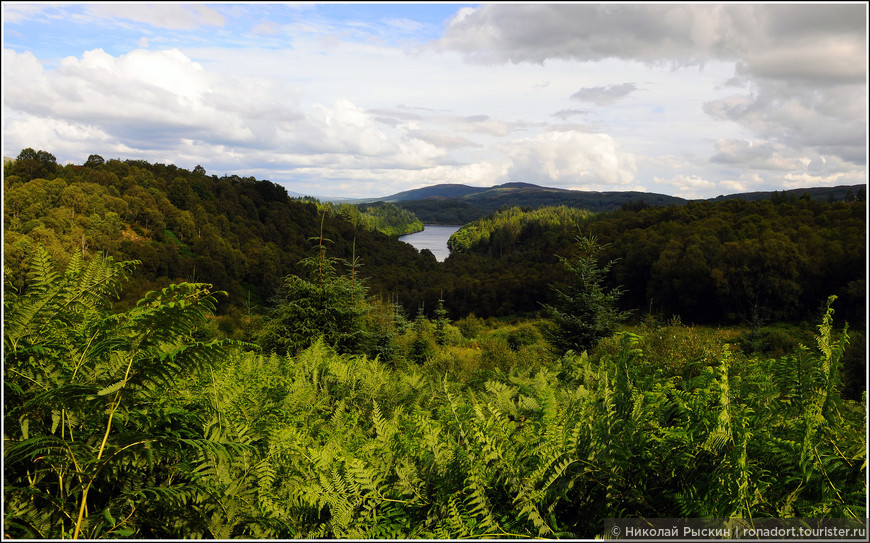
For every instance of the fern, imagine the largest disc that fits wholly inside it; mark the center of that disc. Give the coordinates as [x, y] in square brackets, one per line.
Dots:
[78, 376]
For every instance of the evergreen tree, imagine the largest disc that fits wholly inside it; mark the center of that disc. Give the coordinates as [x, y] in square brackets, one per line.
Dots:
[326, 304]
[585, 311]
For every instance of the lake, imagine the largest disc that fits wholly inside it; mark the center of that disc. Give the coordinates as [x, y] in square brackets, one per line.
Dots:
[434, 238]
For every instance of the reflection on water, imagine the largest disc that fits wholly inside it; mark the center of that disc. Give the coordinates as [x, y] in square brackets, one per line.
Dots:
[434, 238]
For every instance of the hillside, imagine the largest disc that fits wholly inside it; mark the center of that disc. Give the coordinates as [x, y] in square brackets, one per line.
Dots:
[246, 236]
[240, 234]
[461, 204]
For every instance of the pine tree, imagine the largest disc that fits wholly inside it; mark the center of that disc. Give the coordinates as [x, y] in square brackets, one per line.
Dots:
[585, 311]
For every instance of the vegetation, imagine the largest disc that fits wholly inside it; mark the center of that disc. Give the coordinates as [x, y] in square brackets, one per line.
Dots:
[240, 234]
[386, 218]
[126, 424]
[707, 262]
[585, 312]
[291, 397]
[503, 231]
[460, 204]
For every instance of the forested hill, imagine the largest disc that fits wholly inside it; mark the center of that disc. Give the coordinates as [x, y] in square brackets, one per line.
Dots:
[712, 261]
[461, 204]
[241, 234]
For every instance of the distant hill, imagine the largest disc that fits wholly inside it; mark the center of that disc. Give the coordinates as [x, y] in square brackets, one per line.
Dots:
[460, 204]
[828, 194]
[444, 190]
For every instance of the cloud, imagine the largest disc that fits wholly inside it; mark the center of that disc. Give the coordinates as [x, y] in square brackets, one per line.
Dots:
[442, 139]
[497, 33]
[481, 124]
[574, 159]
[805, 66]
[832, 60]
[267, 28]
[824, 122]
[162, 15]
[404, 25]
[754, 154]
[16, 12]
[679, 33]
[568, 113]
[604, 96]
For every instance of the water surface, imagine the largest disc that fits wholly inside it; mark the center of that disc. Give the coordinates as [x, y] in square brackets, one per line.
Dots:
[434, 238]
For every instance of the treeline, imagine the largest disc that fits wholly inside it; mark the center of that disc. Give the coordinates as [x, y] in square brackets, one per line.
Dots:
[503, 230]
[728, 261]
[241, 234]
[385, 217]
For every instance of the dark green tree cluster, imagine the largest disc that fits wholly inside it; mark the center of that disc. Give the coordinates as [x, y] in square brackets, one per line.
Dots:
[326, 304]
[504, 231]
[706, 262]
[384, 217]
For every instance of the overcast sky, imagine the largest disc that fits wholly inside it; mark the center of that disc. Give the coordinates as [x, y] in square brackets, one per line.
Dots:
[365, 100]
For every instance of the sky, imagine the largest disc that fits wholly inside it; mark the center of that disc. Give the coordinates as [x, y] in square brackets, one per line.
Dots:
[360, 100]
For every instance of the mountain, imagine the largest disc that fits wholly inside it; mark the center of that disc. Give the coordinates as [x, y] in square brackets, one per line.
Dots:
[460, 204]
[444, 190]
[833, 194]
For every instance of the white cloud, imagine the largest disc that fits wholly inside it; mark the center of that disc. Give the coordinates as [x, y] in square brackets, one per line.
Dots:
[162, 15]
[570, 159]
[267, 28]
[749, 96]
[16, 12]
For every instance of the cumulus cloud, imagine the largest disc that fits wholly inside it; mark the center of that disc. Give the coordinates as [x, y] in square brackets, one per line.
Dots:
[805, 66]
[574, 159]
[603, 96]
[682, 33]
[801, 119]
[736, 97]
[754, 154]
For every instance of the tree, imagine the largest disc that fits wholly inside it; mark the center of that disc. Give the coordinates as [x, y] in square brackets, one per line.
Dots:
[32, 164]
[325, 304]
[585, 311]
[94, 161]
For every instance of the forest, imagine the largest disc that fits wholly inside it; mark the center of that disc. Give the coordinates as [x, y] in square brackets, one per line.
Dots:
[193, 356]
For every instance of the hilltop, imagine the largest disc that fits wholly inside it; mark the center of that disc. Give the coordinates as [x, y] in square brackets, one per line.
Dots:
[460, 204]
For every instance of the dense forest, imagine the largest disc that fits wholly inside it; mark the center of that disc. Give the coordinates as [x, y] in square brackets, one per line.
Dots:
[707, 262]
[188, 356]
[459, 204]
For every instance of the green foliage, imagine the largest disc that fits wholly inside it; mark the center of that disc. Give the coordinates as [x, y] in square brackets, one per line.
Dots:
[91, 427]
[159, 435]
[241, 234]
[325, 304]
[128, 420]
[501, 232]
[384, 217]
[585, 311]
